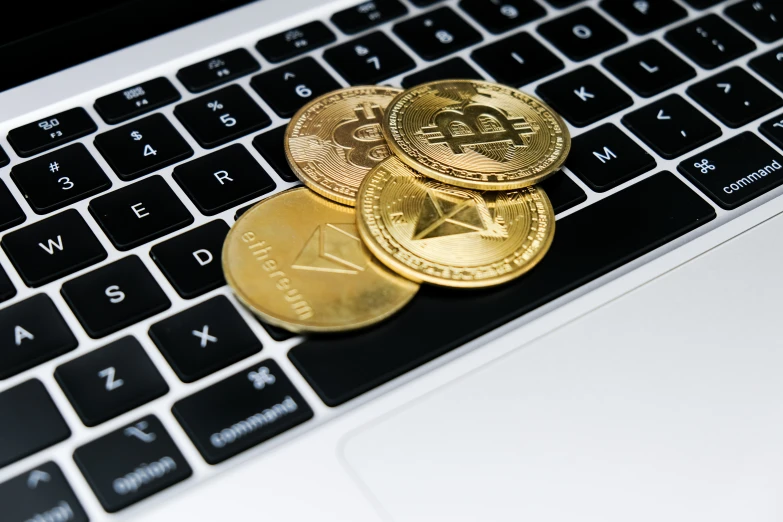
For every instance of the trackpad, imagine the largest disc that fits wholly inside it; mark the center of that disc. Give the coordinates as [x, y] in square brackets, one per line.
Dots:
[666, 404]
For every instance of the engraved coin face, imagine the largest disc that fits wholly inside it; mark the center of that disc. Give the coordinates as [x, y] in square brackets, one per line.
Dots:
[451, 236]
[334, 141]
[476, 134]
[296, 260]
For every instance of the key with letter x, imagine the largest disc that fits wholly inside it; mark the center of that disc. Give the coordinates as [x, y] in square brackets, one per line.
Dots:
[204, 339]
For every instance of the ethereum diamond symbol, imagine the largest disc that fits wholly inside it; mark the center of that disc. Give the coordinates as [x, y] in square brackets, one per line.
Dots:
[333, 247]
[448, 214]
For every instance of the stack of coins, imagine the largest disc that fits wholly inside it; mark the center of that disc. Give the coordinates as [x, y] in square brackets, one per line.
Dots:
[435, 185]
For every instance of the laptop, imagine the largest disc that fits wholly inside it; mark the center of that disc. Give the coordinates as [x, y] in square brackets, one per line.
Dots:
[633, 375]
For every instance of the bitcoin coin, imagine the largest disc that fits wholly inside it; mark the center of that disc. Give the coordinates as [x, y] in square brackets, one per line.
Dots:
[296, 260]
[334, 141]
[475, 134]
[451, 236]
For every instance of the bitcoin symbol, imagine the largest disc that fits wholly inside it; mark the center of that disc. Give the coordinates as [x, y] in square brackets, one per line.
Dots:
[363, 137]
[480, 128]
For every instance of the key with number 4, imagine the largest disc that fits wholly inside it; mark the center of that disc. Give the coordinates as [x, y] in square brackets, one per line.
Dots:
[142, 146]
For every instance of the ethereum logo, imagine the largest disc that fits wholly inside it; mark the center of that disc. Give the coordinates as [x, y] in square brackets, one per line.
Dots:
[333, 247]
[452, 213]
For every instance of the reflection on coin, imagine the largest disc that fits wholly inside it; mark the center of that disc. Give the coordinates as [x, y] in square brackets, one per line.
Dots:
[476, 134]
[297, 261]
[334, 141]
[451, 236]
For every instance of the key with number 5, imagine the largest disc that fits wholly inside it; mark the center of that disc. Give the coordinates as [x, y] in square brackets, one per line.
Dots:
[221, 116]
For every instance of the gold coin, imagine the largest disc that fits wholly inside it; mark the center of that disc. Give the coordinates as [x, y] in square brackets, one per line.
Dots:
[475, 134]
[334, 141]
[296, 260]
[451, 236]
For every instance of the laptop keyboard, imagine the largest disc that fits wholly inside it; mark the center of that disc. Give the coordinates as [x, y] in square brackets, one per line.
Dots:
[113, 218]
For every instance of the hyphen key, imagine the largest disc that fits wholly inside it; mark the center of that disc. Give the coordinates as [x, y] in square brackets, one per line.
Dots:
[735, 171]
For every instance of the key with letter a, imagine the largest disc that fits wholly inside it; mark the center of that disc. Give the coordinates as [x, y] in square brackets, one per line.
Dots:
[53, 248]
[32, 331]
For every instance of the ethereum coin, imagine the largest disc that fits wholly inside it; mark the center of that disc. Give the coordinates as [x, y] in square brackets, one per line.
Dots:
[451, 236]
[296, 260]
[475, 134]
[334, 141]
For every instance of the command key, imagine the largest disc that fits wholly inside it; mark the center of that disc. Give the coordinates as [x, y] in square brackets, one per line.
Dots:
[735, 171]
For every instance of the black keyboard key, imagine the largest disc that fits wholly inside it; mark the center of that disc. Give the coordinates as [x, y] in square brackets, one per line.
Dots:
[451, 68]
[736, 171]
[498, 17]
[517, 60]
[770, 66]
[221, 116]
[270, 146]
[192, 262]
[294, 42]
[582, 34]
[50, 132]
[41, 494]
[114, 296]
[142, 146]
[223, 179]
[762, 18]
[584, 96]
[367, 15]
[369, 59]
[3, 158]
[646, 16]
[287, 88]
[702, 4]
[7, 290]
[671, 126]
[437, 33]
[563, 192]
[275, 332]
[140, 213]
[52, 248]
[649, 68]
[137, 100]
[605, 157]
[11, 214]
[710, 41]
[645, 216]
[34, 332]
[55, 180]
[218, 70]
[773, 130]
[132, 463]
[204, 339]
[31, 422]
[110, 381]
[241, 411]
[735, 97]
